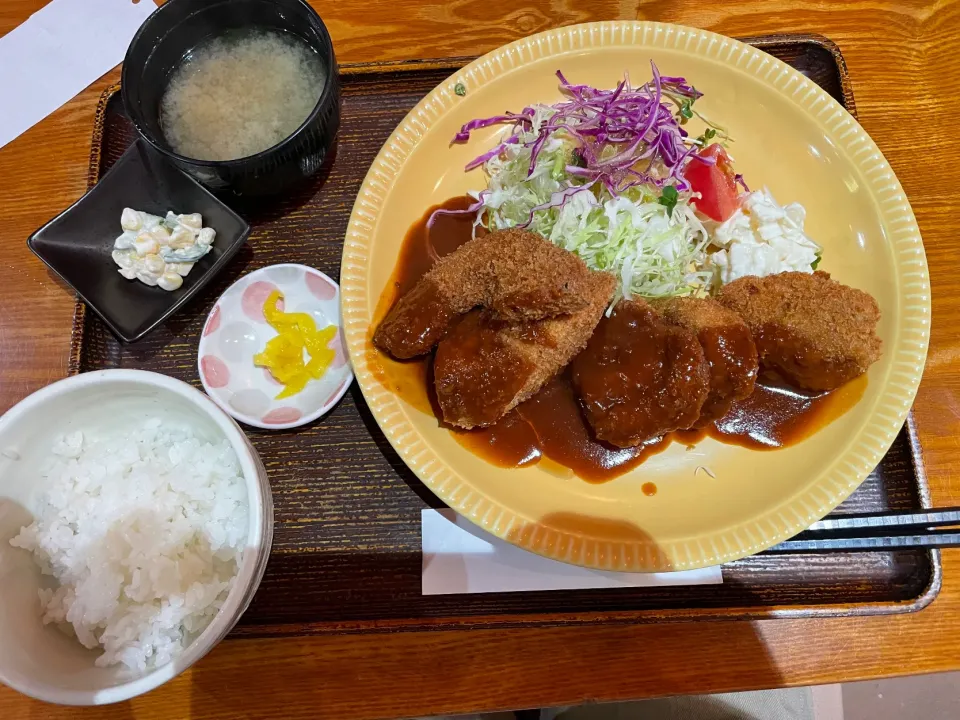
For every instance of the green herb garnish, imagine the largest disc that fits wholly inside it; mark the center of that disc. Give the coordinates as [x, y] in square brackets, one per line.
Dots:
[708, 135]
[686, 110]
[815, 263]
[460, 89]
[669, 199]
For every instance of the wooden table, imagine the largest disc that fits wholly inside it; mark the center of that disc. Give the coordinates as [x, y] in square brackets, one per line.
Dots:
[904, 58]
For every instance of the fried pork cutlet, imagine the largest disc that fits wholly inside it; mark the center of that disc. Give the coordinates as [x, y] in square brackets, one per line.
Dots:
[727, 345]
[816, 333]
[485, 367]
[640, 377]
[515, 274]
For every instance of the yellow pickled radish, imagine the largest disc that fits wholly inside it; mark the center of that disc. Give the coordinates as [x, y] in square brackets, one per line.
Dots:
[297, 335]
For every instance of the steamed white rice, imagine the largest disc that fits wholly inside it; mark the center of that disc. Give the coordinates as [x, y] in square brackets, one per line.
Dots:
[143, 529]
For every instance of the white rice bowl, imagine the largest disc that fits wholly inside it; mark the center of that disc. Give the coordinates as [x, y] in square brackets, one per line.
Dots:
[150, 516]
[143, 529]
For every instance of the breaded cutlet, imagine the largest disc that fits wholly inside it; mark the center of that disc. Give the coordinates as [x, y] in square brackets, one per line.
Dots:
[485, 367]
[815, 332]
[517, 275]
[640, 377]
[727, 345]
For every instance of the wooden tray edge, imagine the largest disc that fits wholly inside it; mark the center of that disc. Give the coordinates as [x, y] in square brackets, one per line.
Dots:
[93, 172]
[559, 619]
[624, 617]
[846, 86]
[627, 617]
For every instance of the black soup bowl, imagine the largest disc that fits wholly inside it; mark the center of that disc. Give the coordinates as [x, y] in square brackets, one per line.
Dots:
[175, 30]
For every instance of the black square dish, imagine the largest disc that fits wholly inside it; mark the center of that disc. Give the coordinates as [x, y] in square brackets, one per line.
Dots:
[77, 243]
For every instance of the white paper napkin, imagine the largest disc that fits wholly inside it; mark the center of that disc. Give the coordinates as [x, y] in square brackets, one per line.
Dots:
[459, 557]
[59, 51]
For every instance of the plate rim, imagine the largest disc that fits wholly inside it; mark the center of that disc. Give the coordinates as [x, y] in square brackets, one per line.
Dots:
[797, 511]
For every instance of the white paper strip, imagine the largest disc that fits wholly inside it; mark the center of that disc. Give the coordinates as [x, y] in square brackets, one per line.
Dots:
[459, 557]
[59, 51]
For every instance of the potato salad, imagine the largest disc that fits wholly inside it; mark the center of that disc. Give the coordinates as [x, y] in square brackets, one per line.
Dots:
[762, 238]
[160, 252]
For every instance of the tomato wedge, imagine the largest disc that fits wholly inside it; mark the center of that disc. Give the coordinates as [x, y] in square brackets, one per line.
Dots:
[715, 183]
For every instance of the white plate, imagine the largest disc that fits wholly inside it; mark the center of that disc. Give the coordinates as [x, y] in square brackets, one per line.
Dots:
[236, 330]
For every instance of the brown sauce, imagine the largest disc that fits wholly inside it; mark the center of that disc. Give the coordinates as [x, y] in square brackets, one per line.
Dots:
[477, 372]
[640, 377]
[421, 248]
[551, 425]
[550, 429]
[732, 357]
[777, 416]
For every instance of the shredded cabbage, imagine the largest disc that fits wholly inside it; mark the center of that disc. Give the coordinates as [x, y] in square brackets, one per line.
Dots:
[653, 252]
[588, 174]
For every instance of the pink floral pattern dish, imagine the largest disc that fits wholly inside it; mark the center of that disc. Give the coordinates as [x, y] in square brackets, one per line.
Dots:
[236, 330]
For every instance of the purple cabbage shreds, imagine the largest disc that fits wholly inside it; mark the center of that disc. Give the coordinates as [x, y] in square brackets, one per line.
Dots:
[579, 171]
[610, 131]
[680, 86]
[471, 210]
[559, 199]
[738, 179]
[481, 159]
[535, 152]
[706, 159]
[519, 119]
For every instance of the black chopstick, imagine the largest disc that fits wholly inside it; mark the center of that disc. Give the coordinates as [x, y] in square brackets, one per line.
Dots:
[937, 528]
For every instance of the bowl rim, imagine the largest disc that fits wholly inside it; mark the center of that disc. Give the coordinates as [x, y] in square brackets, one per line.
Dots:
[307, 418]
[259, 536]
[329, 56]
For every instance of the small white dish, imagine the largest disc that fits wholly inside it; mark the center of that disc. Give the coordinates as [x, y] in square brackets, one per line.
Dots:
[236, 330]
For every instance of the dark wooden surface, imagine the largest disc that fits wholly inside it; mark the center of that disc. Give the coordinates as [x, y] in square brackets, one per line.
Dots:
[346, 552]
